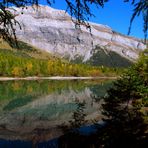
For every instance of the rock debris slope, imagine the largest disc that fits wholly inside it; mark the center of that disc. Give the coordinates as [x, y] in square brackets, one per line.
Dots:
[52, 30]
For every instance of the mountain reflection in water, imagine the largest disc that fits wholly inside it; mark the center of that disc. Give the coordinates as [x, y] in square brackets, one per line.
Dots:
[35, 112]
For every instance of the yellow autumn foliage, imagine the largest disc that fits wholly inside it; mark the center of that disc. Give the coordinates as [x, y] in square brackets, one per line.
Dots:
[16, 71]
[29, 66]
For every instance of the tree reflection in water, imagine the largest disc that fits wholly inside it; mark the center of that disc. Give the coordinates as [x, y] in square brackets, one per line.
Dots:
[124, 128]
[77, 134]
[125, 122]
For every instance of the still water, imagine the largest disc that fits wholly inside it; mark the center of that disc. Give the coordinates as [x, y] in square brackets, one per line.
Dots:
[35, 110]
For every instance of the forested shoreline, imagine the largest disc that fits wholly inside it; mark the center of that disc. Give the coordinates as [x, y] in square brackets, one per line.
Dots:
[28, 61]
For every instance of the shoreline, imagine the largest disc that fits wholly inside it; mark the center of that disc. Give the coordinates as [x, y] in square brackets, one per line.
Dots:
[54, 78]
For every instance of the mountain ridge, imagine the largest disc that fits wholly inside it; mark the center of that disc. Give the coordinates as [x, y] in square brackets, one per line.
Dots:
[53, 30]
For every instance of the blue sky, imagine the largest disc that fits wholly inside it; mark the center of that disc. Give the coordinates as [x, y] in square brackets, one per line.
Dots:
[115, 14]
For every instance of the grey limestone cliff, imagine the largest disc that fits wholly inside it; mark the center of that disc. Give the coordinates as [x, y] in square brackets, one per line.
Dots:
[52, 30]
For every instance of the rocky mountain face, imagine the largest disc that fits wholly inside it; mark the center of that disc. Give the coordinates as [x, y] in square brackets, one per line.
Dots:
[52, 30]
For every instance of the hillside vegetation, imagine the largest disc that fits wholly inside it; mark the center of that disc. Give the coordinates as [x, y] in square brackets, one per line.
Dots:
[108, 58]
[102, 57]
[29, 61]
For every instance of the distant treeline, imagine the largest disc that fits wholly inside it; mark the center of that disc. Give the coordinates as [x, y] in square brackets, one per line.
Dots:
[17, 65]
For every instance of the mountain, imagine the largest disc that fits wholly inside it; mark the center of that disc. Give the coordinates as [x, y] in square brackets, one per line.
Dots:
[53, 31]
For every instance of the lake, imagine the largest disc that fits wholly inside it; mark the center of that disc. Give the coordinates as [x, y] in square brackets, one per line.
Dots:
[36, 110]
